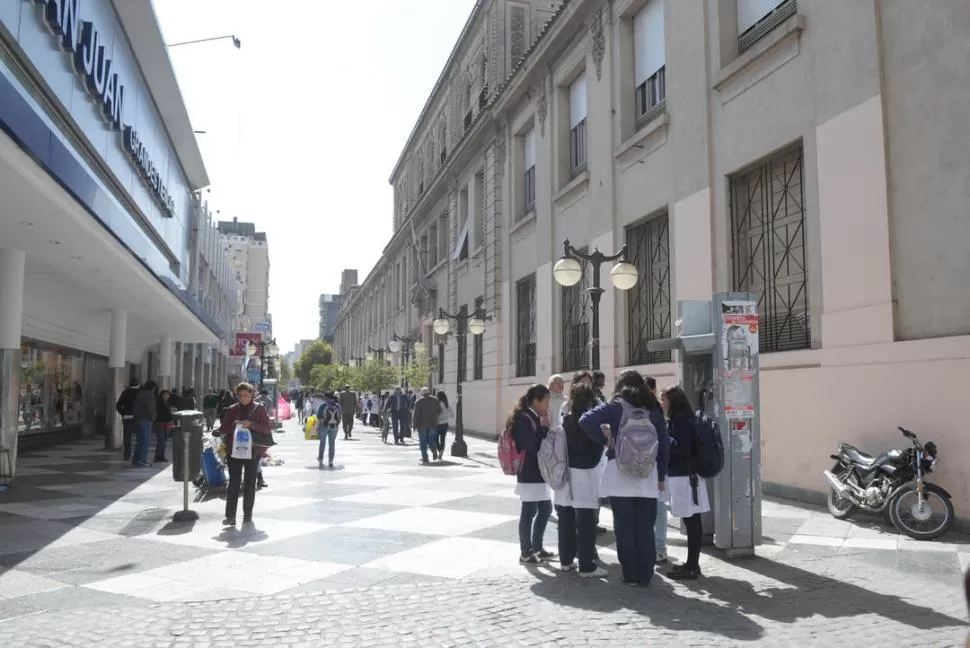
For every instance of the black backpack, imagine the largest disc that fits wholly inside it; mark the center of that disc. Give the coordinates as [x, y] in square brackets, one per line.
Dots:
[708, 459]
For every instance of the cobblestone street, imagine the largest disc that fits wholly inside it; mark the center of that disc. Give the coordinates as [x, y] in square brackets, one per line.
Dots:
[384, 552]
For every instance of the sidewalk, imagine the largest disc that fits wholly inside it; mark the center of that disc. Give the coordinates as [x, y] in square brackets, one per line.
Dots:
[384, 552]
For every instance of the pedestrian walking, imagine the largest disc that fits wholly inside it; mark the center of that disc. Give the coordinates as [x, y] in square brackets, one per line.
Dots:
[145, 411]
[660, 527]
[348, 408]
[633, 428]
[578, 501]
[426, 412]
[444, 418]
[397, 404]
[328, 422]
[125, 406]
[688, 492]
[163, 423]
[250, 422]
[210, 404]
[299, 402]
[525, 422]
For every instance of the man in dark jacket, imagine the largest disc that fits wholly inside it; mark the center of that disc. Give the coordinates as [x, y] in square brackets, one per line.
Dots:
[209, 406]
[399, 407]
[348, 407]
[145, 412]
[426, 412]
[126, 408]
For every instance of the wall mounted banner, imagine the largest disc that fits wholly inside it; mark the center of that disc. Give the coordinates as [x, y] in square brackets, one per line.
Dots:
[242, 342]
[82, 40]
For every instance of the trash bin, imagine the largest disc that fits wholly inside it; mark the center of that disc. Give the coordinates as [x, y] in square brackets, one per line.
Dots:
[189, 423]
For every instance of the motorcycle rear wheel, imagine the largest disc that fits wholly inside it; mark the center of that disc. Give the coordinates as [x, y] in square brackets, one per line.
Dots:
[896, 506]
[839, 507]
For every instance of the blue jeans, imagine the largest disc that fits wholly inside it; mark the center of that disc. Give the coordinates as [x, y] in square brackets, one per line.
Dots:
[331, 434]
[144, 438]
[660, 527]
[577, 536]
[633, 522]
[161, 436]
[532, 525]
[129, 429]
[427, 438]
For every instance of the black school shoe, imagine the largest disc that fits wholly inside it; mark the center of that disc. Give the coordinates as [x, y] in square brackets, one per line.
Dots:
[683, 572]
[542, 554]
[530, 559]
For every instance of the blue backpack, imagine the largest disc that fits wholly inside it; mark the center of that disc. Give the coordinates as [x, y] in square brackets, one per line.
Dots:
[708, 460]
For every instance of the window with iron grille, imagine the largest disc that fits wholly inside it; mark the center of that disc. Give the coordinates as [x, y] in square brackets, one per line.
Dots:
[650, 75]
[575, 323]
[652, 97]
[525, 326]
[577, 149]
[768, 249]
[463, 343]
[757, 18]
[649, 301]
[441, 363]
[529, 162]
[478, 348]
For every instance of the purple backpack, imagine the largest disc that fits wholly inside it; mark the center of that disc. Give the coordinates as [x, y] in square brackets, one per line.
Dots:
[635, 443]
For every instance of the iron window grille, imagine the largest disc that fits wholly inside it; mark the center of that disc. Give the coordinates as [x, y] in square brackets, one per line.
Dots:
[483, 97]
[525, 326]
[785, 10]
[651, 98]
[768, 249]
[577, 149]
[649, 302]
[463, 344]
[478, 348]
[529, 189]
[575, 323]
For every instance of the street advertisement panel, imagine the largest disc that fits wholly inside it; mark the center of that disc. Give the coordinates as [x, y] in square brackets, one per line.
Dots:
[739, 354]
[243, 340]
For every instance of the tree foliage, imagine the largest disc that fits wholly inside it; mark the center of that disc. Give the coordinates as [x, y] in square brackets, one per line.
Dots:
[373, 376]
[318, 353]
[330, 377]
[418, 372]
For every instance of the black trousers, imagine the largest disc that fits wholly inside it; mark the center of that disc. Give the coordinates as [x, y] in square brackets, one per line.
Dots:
[348, 423]
[236, 467]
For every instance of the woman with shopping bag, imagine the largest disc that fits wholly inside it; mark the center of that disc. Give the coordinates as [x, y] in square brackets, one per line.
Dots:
[248, 434]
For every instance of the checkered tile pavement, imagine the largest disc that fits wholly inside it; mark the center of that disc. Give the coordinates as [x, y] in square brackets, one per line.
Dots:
[83, 528]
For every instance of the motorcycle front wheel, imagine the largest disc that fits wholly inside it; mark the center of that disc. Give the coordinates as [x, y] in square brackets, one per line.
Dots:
[927, 523]
[839, 507]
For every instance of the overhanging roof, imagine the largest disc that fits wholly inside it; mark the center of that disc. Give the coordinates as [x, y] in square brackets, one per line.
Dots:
[145, 38]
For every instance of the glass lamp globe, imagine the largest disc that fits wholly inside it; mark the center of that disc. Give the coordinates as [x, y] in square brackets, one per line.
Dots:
[370, 356]
[394, 346]
[624, 275]
[272, 349]
[567, 271]
[441, 326]
[419, 347]
[476, 326]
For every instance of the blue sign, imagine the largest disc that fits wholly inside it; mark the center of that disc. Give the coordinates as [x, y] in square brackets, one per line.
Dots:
[84, 42]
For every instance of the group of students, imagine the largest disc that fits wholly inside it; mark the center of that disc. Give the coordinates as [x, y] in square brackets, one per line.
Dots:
[591, 424]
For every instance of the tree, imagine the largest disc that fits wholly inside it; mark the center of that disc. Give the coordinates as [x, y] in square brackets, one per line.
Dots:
[418, 372]
[285, 373]
[318, 353]
[331, 377]
[373, 376]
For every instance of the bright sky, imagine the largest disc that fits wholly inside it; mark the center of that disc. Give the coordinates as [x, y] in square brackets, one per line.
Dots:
[304, 123]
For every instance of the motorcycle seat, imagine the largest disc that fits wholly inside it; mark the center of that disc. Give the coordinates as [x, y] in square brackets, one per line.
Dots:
[855, 455]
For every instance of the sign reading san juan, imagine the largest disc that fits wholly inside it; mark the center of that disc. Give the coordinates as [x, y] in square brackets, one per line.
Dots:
[81, 39]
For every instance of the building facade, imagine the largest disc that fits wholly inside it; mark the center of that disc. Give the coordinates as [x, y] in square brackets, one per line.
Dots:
[329, 312]
[756, 145]
[108, 266]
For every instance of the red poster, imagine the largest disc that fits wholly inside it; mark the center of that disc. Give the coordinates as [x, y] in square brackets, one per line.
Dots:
[243, 340]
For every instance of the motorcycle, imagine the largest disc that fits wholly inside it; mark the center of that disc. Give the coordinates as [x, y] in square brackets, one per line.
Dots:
[892, 483]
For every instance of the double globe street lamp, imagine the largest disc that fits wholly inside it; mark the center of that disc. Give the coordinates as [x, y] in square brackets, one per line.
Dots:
[568, 271]
[464, 324]
[373, 353]
[403, 345]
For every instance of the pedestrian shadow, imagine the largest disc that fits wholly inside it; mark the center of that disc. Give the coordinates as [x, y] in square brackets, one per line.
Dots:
[809, 594]
[238, 538]
[659, 603]
[444, 463]
[334, 468]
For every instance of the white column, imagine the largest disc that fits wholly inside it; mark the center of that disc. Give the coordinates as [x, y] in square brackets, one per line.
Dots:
[117, 351]
[12, 263]
[165, 357]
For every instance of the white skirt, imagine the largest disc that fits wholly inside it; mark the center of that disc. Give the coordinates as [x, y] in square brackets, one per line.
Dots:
[617, 483]
[682, 499]
[533, 492]
[582, 491]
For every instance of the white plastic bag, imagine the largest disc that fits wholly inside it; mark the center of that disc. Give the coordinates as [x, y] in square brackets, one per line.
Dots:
[242, 443]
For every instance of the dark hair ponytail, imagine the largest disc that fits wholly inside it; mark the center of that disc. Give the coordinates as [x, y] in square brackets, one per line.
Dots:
[633, 388]
[534, 393]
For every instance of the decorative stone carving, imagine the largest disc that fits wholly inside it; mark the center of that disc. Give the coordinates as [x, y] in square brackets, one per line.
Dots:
[542, 109]
[597, 43]
[500, 151]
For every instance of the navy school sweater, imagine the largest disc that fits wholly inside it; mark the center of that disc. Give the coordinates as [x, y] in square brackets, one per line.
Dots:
[610, 413]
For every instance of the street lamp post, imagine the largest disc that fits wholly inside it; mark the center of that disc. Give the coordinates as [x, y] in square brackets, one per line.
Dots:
[464, 324]
[358, 360]
[568, 272]
[235, 41]
[377, 353]
[402, 344]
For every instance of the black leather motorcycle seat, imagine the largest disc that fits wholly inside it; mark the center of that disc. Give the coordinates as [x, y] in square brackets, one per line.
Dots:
[857, 456]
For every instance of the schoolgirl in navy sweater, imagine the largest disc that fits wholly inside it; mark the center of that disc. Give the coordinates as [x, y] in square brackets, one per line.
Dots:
[528, 431]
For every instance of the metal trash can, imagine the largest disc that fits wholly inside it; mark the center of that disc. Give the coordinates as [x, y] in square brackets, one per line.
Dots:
[189, 423]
